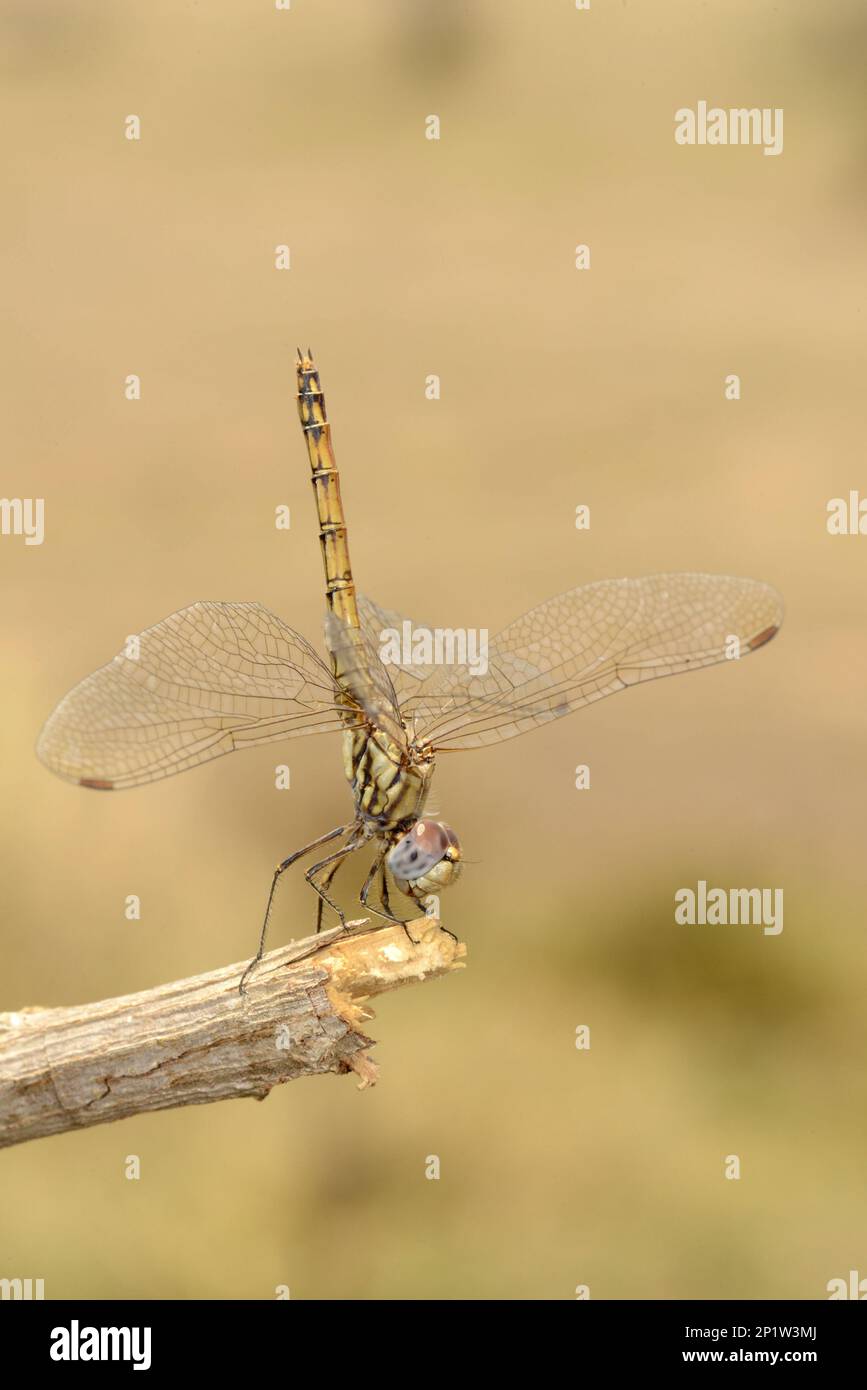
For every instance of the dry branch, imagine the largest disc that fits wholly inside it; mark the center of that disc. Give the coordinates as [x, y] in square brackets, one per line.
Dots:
[197, 1040]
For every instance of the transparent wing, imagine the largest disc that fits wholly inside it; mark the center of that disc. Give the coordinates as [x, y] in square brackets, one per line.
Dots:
[591, 642]
[407, 679]
[360, 671]
[209, 679]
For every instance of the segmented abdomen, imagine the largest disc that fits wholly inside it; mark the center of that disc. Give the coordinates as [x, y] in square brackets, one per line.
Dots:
[339, 584]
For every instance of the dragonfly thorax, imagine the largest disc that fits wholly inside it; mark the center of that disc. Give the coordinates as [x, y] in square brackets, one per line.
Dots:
[390, 782]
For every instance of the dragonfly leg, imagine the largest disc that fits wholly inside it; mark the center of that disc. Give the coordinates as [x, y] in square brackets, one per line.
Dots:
[387, 914]
[449, 933]
[383, 890]
[339, 855]
[378, 863]
[326, 883]
[383, 897]
[278, 872]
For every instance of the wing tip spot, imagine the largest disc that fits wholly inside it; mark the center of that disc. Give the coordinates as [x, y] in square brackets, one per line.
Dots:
[96, 784]
[762, 637]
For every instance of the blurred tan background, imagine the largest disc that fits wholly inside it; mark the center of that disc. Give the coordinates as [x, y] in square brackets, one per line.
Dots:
[411, 257]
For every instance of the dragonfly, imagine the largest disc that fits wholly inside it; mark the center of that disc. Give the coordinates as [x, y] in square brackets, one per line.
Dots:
[216, 677]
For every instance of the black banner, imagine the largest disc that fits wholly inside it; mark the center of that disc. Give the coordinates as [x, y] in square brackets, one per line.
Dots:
[65, 1337]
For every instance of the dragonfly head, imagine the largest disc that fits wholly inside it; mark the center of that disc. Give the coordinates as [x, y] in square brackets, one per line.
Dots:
[426, 859]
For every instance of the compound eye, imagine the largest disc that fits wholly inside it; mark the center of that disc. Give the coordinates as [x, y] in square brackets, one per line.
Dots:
[419, 849]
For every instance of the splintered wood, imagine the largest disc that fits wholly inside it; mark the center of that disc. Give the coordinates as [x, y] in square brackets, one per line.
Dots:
[198, 1040]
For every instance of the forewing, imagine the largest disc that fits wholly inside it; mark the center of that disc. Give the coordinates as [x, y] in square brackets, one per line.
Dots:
[591, 642]
[407, 678]
[209, 679]
[360, 671]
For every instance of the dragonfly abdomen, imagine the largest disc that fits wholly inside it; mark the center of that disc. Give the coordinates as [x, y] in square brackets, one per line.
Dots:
[339, 584]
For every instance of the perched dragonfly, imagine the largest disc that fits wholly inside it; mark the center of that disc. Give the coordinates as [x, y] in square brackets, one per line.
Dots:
[219, 676]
